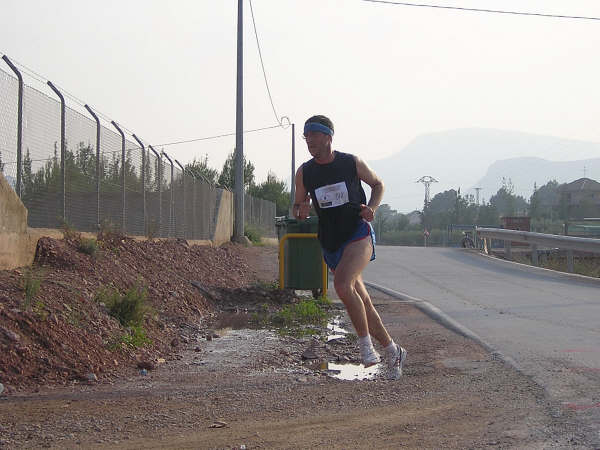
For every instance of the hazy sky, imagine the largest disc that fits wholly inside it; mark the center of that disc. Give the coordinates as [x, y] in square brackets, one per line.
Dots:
[383, 73]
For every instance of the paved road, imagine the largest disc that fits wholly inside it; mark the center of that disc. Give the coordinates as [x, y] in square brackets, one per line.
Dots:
[547, 322]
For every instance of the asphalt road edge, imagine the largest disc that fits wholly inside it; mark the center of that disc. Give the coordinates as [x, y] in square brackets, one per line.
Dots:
[444, 319]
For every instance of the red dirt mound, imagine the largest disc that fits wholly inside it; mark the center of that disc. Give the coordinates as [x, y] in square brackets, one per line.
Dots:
[63, 333]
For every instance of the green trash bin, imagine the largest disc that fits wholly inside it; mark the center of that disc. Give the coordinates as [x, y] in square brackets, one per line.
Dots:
[303, 258]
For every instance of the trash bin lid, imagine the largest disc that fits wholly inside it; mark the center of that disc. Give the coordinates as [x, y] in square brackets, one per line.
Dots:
[312, 220]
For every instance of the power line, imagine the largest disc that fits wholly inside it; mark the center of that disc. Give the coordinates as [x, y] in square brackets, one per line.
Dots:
[215, 137]
[43, 80]
[496, 11]
[171, 143]
[279, 121]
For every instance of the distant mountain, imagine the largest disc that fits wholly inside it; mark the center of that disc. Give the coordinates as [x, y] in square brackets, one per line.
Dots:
[461, 158]
[524, 172]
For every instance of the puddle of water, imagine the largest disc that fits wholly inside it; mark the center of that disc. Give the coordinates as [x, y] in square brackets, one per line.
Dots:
[334, 330]
[232, 320]
[334, 326]
[346, 371]
[238, 321]
[350, 372]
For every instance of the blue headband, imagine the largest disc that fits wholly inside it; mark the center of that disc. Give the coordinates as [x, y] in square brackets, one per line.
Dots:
[315, 126]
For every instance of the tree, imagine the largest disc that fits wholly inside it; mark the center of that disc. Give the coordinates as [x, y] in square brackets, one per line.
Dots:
[487, 215]
[27, 175]
[585, 208]
[505, 202]
[399, 221]
[273, 190]
[1, 163]
[383, 218]
[199, 169]
[227, 177]
[545, 201]
[446, 208]
[535, 203]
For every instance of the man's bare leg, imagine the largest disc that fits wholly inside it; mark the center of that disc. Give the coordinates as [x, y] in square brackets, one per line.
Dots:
[376, 327]
[355, 258]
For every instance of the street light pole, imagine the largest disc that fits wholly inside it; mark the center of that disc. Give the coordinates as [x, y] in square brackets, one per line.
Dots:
[293, 179]
[238, 229]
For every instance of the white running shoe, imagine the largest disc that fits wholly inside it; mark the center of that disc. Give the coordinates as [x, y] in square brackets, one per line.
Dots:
[369, 356]
[395, 362]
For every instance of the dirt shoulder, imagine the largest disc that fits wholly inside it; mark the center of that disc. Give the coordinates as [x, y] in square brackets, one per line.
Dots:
[256, 389]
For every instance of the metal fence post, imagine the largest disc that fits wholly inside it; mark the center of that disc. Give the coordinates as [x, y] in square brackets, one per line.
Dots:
[183, 197]
[19, 124]
[114, 124]
[194, 228]
[534, 255]
[62, 150]
[171, 215]
[570, 262]
[159, 186]
[508, 250]
[143, 181]
[97, 164]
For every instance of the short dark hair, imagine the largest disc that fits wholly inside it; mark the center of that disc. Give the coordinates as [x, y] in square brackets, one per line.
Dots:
[323, 120]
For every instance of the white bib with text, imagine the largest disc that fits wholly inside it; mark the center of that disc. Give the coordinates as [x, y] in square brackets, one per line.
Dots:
[332, 195]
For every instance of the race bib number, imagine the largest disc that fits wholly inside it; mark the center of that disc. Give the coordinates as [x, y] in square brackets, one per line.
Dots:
[332, 195]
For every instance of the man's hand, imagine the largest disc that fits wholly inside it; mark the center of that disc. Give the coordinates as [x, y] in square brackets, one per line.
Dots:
[302, 209]
[367, 213]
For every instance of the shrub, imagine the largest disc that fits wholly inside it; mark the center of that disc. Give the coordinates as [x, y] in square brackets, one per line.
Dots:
[40, 310]
[107, 227]
[305, 312]
[323, 301]
[415, 238]
[134, 338]
[253, 233]
[152, 230]
[69, 233]
[268, 285]
[108, 234]
[31, 285]
[88, 246]
[129, 309]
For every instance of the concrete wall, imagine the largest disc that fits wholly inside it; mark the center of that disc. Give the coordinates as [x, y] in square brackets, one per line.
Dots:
[15, 241]
[223, 229]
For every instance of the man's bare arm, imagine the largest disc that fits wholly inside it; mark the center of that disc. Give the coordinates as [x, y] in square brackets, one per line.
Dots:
[301, 206]
[366, 174]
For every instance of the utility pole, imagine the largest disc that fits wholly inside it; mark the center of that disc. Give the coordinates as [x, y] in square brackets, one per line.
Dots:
[477, 189]
[426, 180]
[238, 229]
[293, 179]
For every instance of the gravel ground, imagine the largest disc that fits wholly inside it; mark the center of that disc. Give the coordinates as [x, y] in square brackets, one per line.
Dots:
[227, 386]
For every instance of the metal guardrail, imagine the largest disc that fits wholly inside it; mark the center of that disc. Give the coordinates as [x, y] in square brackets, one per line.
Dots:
[536, 240]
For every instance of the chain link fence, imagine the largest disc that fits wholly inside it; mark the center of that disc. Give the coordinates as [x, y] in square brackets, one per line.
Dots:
[260, 214]
[63, 179]
[8, 127]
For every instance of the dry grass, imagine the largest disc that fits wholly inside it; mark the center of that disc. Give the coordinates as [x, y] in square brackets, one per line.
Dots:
[588, 266]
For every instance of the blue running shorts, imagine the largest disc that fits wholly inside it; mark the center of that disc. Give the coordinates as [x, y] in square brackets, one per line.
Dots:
[332, 259]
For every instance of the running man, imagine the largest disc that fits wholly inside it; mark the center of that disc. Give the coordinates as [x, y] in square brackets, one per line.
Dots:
[332, 180]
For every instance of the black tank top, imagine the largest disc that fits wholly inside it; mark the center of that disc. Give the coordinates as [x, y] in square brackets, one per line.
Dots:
[336, 194]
